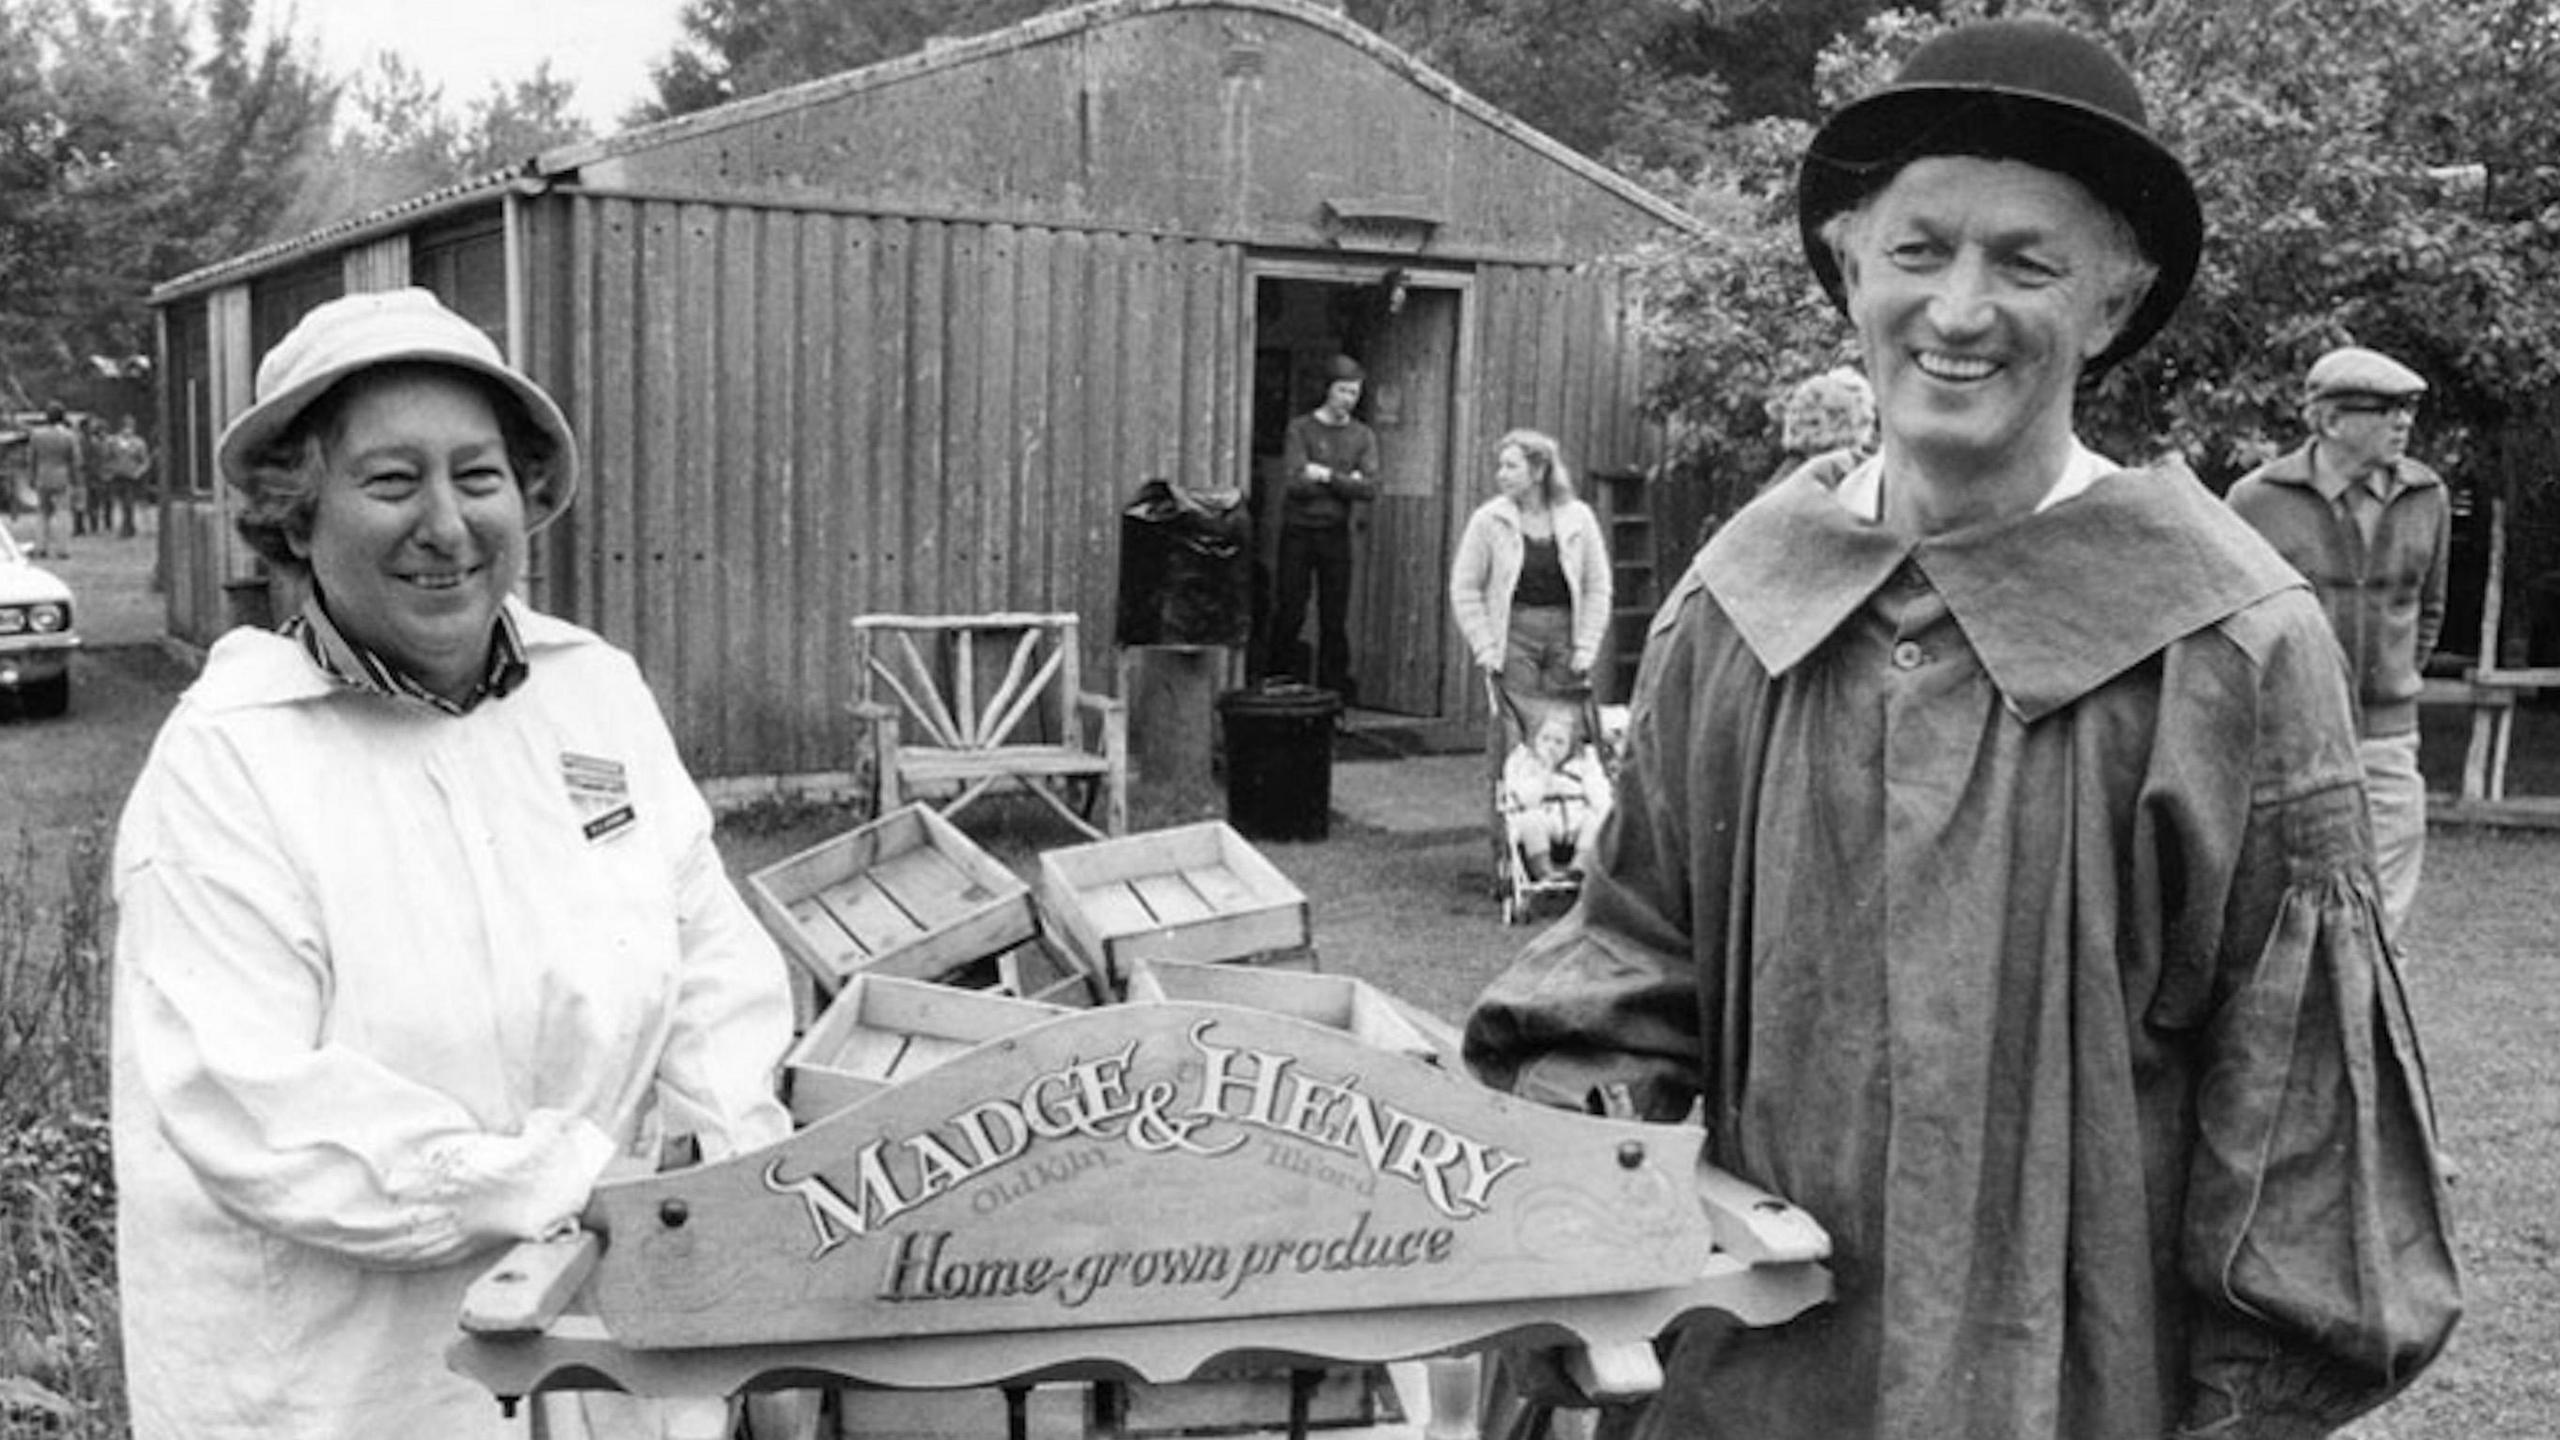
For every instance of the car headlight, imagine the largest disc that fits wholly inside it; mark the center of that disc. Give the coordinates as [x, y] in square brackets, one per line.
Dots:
[13, 620]
[48, 619]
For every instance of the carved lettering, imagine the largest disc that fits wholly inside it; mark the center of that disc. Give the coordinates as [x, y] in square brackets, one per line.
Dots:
[985, 1149]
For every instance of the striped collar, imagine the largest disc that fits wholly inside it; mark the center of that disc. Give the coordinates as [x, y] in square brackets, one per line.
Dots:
[353, 666]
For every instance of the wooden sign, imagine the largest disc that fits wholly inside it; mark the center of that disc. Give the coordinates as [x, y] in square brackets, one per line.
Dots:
[1143, 1166]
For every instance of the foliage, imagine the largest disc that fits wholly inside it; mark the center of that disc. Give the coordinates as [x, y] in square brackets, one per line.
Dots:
[404, 139]
[2329, 140]
[737, 48]
[141, 139]
[58, 1353]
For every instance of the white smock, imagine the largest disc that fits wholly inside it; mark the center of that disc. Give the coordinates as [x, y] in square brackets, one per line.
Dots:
[393, 987]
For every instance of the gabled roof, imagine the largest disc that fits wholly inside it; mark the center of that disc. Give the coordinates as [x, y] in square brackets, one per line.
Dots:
[1044, 29]
[564, 163]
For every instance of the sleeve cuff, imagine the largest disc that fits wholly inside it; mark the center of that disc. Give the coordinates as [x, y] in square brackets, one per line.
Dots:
[521, 1186]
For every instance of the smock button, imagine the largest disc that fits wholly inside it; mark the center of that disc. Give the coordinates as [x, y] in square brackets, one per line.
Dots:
[1907, 655]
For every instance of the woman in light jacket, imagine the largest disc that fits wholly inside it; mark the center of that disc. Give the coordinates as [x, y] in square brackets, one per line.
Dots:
[1531, 588]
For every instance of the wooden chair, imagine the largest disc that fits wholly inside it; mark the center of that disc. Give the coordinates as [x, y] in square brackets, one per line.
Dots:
[962, 706]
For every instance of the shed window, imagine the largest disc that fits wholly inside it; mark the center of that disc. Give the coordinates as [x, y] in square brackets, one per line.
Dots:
[187, 427]
[277, 301]
[466, 267]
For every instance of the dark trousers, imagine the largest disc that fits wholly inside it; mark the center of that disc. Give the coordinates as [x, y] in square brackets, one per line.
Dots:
[1314, 564]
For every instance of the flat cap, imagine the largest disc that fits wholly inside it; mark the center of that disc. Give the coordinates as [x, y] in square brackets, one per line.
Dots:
[2354, 370]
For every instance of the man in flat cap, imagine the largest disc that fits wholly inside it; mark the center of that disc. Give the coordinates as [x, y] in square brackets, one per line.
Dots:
[2372, 530]
[1990, 864]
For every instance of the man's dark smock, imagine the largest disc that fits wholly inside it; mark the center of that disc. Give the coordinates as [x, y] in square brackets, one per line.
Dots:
[2007, 897]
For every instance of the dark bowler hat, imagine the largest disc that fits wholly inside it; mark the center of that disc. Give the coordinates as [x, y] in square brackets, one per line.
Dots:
[2027, 90]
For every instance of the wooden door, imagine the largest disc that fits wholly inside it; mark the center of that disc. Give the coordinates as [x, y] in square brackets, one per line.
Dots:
[1400, 554]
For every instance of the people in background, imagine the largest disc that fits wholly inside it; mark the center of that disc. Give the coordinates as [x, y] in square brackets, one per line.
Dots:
[2372, 530]
[1554, 795]
[1830, 417]
[1329, 469]
[422, 931]
[1990, 871]
[127, 464]
[1531, 588]
[54, 461]
[89, 492]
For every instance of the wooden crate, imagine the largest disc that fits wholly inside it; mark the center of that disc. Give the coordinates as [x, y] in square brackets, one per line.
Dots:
[1337, 1002]
[1193, 892]
[907, 895]
[881, 1030]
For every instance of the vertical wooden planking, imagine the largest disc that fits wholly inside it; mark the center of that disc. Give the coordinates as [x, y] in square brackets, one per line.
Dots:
[815, 601]
[925, 479]
[957, 558]
[773, 570]
[890, 481]
[725, 481]
[692, 465]
[651, 311]
[1575, 367]
[1028, 443]
[1000, 544]
[1105, 399]
[1071, 391]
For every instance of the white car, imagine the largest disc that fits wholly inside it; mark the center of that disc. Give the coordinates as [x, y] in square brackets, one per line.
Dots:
[36, 638]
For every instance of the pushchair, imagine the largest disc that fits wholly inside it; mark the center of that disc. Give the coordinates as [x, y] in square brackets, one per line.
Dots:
[1545, 806]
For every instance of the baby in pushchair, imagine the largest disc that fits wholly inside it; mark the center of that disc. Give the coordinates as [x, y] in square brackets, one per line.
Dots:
[1556, 792]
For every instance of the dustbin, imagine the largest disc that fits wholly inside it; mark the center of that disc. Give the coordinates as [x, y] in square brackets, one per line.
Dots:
[1280, 760]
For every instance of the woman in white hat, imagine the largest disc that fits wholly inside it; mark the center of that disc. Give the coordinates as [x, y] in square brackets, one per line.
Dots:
[422, 927]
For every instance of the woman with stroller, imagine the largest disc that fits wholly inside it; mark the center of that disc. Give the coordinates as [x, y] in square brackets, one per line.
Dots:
[1531, 587]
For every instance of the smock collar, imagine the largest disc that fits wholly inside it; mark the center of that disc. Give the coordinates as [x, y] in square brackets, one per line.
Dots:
[2055, 603]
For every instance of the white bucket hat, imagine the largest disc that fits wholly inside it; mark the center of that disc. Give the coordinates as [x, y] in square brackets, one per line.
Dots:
[359, 332]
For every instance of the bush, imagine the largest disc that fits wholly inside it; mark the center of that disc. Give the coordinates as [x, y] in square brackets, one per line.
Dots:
[61, 1372]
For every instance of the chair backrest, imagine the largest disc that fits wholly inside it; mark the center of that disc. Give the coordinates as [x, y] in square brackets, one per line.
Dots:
[974, 682]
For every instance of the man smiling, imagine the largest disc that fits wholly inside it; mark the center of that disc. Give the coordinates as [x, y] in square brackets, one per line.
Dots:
[1989, 861]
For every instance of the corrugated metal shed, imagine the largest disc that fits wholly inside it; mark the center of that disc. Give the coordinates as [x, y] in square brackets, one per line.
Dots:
[908, 338]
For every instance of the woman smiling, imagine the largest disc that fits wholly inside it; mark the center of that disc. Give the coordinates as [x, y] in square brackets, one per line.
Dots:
[421, 923]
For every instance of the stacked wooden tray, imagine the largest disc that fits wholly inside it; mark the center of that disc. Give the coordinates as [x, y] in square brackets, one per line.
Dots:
[881, 1031]
[907, 895]
[1193, 892]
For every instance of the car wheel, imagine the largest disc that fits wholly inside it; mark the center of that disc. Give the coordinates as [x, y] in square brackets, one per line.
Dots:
[49, 698]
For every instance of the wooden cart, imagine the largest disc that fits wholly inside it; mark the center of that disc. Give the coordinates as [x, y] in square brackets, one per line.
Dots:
[1218, 1172]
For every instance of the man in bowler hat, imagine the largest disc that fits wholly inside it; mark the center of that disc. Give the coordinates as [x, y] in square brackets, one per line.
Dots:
[1990, 866]
[2372, 530]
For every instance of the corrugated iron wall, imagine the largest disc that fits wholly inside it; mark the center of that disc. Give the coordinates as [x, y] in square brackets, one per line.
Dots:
[793, 418]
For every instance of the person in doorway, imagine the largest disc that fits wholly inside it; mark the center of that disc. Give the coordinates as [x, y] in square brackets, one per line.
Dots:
[1531, 587]
[54, 461]
[422, 929]
[2372, 530]
[1990, 868]
[128, 469]
[1329, 468]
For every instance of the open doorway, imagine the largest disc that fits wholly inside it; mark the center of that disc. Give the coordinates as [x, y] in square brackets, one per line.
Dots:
[1404, 330]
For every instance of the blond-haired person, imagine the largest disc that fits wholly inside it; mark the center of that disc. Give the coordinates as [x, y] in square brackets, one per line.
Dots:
[1531, 586]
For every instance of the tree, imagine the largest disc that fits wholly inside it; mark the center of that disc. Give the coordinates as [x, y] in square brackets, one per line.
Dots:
[127, 161]
[2327, 139]
[737, 48]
